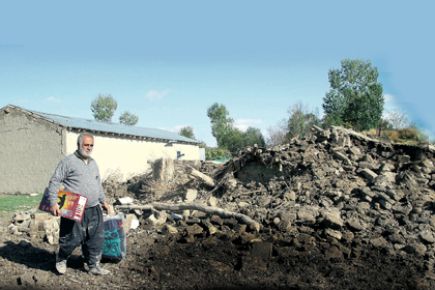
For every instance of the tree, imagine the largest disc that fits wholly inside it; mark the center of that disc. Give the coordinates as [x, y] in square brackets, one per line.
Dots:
[217, 153]
[227, 136]
[128, 118]
[355, 98]
[278, 134]
[397, 119]
[300, 121]
[254, 136]
[103, 108]
[187, 132]
[221, 123]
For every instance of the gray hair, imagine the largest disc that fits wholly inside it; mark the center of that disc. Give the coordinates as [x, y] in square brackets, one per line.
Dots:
[81, 136]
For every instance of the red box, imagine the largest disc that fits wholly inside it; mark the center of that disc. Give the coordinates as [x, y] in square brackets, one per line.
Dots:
[71, 205]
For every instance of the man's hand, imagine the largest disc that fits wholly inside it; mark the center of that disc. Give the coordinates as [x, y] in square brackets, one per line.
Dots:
[107, 207]
[55, 210]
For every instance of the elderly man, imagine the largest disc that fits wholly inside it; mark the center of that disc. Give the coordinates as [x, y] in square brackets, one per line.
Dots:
[79, 173]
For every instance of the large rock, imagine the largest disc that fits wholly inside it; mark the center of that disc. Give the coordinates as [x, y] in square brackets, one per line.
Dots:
[368, 174]
[427, 236]
[332, 217]
[307, 214]
[356, 224]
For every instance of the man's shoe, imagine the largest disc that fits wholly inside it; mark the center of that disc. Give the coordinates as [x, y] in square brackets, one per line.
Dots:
[61, 267]
[97, 270]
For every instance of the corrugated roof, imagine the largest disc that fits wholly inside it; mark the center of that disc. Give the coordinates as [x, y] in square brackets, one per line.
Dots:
[114, 128]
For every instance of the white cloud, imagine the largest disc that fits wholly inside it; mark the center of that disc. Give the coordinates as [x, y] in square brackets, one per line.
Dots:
[390, 103]
[243, 124]
[52, 99]
[154, 95]
[389, 98]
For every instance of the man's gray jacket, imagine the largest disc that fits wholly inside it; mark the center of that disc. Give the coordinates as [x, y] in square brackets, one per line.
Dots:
[77, 177]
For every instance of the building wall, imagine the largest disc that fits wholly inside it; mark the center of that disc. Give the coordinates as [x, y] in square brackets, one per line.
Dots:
[131, 157]
[30, 149]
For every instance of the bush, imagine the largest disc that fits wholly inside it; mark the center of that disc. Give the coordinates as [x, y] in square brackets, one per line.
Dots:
[409, 134]
[217, 153]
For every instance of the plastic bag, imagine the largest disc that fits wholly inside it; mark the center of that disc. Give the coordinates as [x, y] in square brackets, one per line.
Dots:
[115, 242]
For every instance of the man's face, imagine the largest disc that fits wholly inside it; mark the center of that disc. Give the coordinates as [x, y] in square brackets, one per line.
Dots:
[86, 146]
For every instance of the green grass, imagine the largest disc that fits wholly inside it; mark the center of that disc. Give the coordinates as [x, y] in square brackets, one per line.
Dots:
[10, 203]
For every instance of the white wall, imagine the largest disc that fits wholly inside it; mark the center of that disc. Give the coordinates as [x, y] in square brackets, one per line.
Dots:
[130, 157]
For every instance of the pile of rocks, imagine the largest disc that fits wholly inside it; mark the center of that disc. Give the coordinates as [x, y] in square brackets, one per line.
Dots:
[342, 186]
[35, 224]
[337, 185]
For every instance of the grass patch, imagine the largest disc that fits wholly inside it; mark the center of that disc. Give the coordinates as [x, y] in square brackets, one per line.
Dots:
[10, 203]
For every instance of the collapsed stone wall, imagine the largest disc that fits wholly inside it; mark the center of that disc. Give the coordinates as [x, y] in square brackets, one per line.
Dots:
[339, 185]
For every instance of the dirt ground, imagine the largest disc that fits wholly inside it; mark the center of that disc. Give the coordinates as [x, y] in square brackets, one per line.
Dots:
[228, 260]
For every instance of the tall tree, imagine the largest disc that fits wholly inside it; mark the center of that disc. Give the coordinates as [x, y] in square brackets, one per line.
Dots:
[397, 119]
[227, 136]
[355, 98]
[187, 132]
[103, 108]
[254, 136]
[300, 121]
[277, 134]
[128, 118]
[221, 123]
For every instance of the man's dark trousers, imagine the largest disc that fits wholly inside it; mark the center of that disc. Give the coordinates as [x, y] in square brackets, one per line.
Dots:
[89, 233]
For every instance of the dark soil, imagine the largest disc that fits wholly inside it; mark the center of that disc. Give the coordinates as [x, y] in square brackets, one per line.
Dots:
[224, 261]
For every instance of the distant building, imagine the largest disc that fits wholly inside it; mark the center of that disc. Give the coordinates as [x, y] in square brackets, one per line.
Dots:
[32, 143]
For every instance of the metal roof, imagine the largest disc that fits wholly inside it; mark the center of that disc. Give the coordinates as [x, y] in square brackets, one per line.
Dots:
[111, 128]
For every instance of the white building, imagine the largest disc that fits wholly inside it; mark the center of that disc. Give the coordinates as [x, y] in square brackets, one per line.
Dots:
[32, 143]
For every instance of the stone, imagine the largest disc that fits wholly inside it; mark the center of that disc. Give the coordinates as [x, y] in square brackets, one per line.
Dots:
[212, 201]
[416, 248]
[333, 217]
[289, 196]
[243, 204]
[333, 233]
[21, 217]
[286, 219]
[163, 169]
[397, 238]
[212, 229]
[194, 230]
[307, 214]
[334, 253]
[170, 229]
[356, 224]
[395, 194]
[125, 200]
[190, 195]
[158, 220]
[379, 242]
[215, 219]
[355, 152]
[131, 222]
[342, 157]
[387, 167]
[427, 236]
[368, 174]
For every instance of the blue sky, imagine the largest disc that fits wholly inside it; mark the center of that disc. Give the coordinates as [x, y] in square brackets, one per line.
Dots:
[168, 61]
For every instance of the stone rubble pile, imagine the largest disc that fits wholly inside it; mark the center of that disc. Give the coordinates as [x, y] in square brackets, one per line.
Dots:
[338, 186]
[35, 224]
[342, 186]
